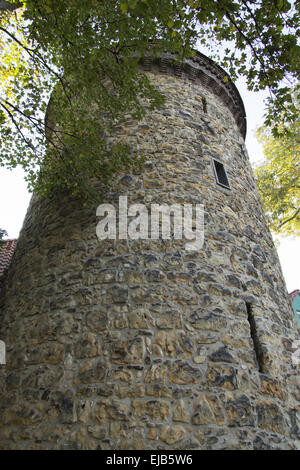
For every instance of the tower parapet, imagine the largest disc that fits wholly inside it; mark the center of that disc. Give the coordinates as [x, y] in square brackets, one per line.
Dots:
[211, 76]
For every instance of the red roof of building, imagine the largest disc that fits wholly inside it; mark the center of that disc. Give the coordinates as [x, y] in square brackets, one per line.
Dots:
[6, 251]
[293, 294]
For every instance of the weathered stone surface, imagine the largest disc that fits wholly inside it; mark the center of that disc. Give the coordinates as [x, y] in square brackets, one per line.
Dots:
[222, 355]
[97, 321]
[123, 391]
[181, 413]
[140, 319]
[156, 409]
[239, 410]
[270, 417]
[169, 319]
[51, 353]
[87, 346]
[172, 434]
[157, 373]
[138, 444]
[173, 344]
[207, 321]
[98, 432]
[222, 376]
[158, 390]
[128, 352]
[216, 405]
[106, 410]
[183, 373]
[271, 387]
[92, 371]
[202, 412]
[118, 295]
[142, 344]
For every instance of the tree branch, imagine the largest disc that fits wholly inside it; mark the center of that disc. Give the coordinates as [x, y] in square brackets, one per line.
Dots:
[38, 124]
[259, 31]
[248, 42]
[33, 54]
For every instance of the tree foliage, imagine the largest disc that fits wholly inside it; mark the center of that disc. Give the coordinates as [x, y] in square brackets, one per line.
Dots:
[278, 180]
[94, 46]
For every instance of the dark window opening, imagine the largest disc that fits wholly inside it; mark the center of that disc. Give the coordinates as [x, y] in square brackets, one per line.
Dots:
[204, 104]
[220, 174]
[255, 339]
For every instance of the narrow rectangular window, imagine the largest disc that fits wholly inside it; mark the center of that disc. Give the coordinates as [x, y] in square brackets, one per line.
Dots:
[220, 174]
[255, 339]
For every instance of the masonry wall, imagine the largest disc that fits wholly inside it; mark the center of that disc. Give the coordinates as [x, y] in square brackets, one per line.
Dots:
[140, 344]
[296, 308]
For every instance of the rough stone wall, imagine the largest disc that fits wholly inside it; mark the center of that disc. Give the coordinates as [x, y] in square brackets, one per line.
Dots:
[141, 344]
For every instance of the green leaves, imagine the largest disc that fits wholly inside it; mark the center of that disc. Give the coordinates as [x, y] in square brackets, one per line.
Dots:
[89, 51]
[278, 180]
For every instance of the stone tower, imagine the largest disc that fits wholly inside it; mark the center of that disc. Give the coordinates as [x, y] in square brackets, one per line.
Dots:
[142, 344]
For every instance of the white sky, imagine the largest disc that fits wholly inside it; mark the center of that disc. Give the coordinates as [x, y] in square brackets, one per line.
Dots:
[15, 198]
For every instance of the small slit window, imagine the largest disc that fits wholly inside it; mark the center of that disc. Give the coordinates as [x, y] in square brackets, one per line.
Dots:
[220, 174]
